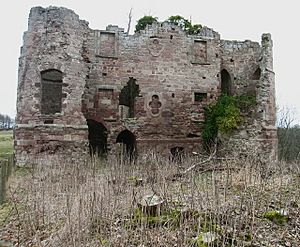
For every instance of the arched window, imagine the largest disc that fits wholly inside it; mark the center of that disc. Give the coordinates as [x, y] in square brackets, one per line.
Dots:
[225, 82]
[97, 138]
[51, 86]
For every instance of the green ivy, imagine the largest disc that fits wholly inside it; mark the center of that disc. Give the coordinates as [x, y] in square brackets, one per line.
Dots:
[144, 21]
[224, 116]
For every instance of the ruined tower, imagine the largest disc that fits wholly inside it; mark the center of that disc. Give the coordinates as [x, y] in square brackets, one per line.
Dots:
[99, 91]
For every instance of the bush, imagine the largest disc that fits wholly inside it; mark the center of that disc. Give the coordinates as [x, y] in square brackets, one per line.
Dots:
[276, 217]
[185, 24]
[144, 21]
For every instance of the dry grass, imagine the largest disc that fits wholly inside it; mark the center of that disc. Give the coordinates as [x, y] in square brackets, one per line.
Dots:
[96, 203]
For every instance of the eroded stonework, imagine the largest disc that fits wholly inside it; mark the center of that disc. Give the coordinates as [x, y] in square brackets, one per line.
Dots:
[80, 87]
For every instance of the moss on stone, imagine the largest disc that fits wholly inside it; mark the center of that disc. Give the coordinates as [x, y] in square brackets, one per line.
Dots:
[276, 217]
[170, 218]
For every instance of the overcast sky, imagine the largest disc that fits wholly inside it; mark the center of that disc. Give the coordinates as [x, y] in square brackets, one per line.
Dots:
[233, 19]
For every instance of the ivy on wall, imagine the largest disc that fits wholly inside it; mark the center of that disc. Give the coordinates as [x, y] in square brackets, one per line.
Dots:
[225, 115]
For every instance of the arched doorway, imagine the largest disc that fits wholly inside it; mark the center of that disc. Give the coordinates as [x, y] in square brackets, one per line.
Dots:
[177, 153]
[97, 138]
[226, 86]
[127, 139]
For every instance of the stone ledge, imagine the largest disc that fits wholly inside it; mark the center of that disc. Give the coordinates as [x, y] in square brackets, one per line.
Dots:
[200, 63]
[107, 56]
[110, 119]
[169, 140]
[30, 126]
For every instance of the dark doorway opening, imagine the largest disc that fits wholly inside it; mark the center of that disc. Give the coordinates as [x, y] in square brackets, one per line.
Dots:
[177, 154]
[127, 139]
[128, 95]
[226, 86]
[97, 138]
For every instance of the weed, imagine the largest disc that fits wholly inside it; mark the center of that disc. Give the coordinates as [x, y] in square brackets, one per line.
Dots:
[276, 217]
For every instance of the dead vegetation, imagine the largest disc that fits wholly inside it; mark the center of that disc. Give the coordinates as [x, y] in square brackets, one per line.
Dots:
[98, 203]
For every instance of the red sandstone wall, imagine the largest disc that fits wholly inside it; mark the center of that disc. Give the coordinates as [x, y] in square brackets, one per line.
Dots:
[164, 61]
[168, 66]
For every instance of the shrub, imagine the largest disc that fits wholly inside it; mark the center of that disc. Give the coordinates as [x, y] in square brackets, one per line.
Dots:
[276, 217]
[185, 24]
[144, 21]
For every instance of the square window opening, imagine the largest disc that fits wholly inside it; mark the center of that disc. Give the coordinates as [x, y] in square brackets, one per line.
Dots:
[199, 97]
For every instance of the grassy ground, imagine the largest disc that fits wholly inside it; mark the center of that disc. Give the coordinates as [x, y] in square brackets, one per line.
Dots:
[231, 203]
[6, 143]
[6, 150]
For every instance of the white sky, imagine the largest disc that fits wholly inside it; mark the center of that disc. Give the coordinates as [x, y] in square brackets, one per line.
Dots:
[233, 19]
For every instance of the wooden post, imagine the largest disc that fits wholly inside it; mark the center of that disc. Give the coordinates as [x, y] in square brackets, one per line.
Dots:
[3, 165]
[5, 171]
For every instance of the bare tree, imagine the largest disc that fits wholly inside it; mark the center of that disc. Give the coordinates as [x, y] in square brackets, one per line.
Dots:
[288, 135]
[286, 117]
[129, 20]
[6, 121]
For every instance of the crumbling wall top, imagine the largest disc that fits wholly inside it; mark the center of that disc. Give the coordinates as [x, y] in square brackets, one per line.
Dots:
[236, 45]
[38, 15]
[114, 28]
[166, 26]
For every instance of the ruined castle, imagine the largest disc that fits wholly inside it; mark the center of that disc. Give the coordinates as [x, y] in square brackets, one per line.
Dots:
[81, 88]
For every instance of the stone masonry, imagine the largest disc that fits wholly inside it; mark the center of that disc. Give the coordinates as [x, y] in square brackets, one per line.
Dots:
[112, 92]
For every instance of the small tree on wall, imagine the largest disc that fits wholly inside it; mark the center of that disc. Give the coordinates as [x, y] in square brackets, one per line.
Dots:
[182, 22]
[144, 21]
[185, 24]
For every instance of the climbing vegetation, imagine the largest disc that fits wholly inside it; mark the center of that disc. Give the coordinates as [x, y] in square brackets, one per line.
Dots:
[144, 21]
[185, 24]
[225, 115]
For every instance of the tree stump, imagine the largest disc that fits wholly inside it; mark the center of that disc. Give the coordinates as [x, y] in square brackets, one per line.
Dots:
[151, 205]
